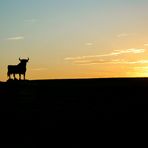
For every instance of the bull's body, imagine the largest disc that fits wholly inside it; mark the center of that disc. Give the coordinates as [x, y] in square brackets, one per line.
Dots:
[17, 69]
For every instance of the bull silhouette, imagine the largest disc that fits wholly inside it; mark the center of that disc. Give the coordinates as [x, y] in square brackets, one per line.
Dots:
[18, 69]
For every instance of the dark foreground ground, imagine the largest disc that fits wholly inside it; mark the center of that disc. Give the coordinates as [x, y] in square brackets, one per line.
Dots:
[43, 104]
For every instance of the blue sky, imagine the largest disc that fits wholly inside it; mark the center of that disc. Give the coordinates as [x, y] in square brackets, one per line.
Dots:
[50, 31]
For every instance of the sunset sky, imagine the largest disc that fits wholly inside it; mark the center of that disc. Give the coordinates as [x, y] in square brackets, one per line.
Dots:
[75, 38]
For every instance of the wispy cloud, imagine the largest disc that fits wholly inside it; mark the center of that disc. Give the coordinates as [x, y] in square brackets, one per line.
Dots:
[146, 44]
[122, 35]
[141, 68]
[114, 53]
[90, 43]
[115, 61]
[39, 69]
[131, 50]
[109, 58]
[16, 38]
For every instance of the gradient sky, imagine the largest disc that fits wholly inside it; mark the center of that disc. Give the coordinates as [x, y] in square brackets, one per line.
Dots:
[75, 38]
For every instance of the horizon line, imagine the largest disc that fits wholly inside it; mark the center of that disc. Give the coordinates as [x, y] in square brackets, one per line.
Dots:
[78, 79]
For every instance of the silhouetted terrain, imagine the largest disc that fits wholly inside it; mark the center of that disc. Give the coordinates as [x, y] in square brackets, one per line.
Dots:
[114, 98]
[41, 103]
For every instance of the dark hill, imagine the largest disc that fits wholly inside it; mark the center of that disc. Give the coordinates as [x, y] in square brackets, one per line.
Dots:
[110, 98]
[76, 99]
[40, 104]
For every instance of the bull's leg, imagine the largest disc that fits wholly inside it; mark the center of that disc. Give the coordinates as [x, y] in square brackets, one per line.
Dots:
[24, 76]
[19, 76]
[10, 76]
[14, 76]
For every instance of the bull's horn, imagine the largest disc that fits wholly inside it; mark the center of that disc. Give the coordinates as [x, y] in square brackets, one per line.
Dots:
[20, 59]
[28, 59]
